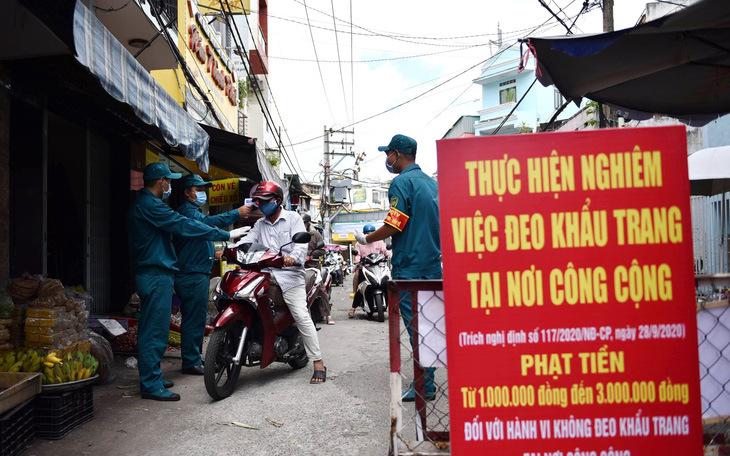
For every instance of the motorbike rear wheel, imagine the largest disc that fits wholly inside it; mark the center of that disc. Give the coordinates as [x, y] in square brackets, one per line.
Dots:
[380, 307]
[221, 373]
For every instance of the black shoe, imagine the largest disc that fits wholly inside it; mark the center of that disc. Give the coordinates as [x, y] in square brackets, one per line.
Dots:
[162, 395]
[196, 370]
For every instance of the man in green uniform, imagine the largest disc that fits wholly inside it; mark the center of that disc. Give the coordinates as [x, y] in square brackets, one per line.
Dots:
[194, 263]
[413, 223]
[150, 226]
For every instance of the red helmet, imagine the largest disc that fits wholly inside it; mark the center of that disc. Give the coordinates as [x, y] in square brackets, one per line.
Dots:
[267, 190]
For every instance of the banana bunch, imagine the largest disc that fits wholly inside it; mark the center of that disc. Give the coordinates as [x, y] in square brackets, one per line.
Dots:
[73, 367]
[29, 360]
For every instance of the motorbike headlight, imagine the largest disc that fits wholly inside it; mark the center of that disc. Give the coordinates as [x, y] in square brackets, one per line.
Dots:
[247, 291]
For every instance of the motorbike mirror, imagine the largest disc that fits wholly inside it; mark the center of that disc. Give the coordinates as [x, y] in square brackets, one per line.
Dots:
[302, 237]
[320, 245]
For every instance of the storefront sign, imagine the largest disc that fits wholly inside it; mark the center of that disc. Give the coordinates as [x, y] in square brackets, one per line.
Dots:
[209, 64]
[151, 157]
[223, 192]
[569, 284]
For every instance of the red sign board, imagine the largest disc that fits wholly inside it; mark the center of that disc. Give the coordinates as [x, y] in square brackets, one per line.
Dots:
[569, 284]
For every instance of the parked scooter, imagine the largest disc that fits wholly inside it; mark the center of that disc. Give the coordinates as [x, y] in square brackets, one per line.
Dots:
[322, 289]
[332, 264]
[254, 326]
[374, 289]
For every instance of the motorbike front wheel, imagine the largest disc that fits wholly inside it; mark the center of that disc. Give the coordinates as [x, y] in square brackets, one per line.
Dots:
[221, 373]
[380, 307]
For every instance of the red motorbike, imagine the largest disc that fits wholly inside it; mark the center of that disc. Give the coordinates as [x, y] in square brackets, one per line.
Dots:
[254, 326]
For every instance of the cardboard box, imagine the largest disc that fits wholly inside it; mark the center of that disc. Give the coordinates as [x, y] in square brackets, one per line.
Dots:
[17, 388]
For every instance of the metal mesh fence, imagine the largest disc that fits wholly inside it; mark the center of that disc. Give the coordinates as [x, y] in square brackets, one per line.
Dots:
[421, 426]
[713, 335]
[419, 401]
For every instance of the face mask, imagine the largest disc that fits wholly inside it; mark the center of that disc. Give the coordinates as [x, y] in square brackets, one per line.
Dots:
[268, 208]
[201, 198]
[166, 193]
[390, 167]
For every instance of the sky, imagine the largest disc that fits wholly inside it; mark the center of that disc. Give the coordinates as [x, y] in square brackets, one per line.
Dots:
[398, 66]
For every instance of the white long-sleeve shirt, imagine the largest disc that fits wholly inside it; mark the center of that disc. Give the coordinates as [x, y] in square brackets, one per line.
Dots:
[274, 235]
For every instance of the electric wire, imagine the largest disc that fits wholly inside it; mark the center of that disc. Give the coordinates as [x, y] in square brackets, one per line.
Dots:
[339, 61]
[291, 59]
[276, 106]
[319, 67]
[186, 71]
[391, 36]
[427, 91]
[265, 106]
[267, 114]
[352, 65]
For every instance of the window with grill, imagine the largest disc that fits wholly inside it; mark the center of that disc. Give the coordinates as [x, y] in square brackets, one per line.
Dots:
[507, 95]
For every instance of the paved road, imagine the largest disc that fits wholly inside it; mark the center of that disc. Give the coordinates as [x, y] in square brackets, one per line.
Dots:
[346, 415]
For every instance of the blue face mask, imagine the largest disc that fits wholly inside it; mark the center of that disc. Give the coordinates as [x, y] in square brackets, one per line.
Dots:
[166, 193]
[201, 198]
[388, 166]
[268, 208]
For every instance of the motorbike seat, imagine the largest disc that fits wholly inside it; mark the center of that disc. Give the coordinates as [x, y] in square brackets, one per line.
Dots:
[311, 276]
[276, 296]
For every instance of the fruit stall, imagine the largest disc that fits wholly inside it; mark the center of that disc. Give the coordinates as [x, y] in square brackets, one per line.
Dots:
[49, 360]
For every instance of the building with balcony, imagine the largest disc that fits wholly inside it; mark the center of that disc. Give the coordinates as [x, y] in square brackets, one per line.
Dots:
[503, 84]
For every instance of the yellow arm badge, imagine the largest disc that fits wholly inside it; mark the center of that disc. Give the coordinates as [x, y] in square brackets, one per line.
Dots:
[393, 202]
[396, 219]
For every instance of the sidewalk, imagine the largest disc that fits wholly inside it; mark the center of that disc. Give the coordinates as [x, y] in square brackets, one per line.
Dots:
[347, 415]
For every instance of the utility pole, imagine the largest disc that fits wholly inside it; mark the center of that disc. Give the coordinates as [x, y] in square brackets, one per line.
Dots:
[608, 15]
[326, 231]
[326, 198]
[604, 111]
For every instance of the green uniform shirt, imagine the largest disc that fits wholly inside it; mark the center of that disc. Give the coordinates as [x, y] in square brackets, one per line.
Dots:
[150, 226]
[196, 255]
[414, 211]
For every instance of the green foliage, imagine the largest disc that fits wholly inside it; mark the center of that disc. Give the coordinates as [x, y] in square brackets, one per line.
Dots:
[592, 108]
[524, 128]
[243, 89]
[273, 159]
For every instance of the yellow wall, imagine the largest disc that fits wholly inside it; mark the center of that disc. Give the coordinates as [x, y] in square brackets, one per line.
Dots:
[173, 85]
[224, 101]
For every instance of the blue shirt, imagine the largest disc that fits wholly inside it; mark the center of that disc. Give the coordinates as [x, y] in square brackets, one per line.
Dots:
[150, 226]
[414, 211]
[196, 255]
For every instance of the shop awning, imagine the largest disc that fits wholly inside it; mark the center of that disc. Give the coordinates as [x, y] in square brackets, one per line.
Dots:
[678, 65]
[128, 81]
[233, 155]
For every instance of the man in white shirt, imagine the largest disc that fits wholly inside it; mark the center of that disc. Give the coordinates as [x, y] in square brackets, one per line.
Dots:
[273, 231]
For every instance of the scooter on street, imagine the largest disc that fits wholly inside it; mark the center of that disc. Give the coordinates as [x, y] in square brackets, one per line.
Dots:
[374, 289]
[254, 326]
[334, 269]
[322, 290]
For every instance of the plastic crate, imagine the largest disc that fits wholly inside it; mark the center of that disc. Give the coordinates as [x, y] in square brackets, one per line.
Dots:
[57, 415]
[17, 428]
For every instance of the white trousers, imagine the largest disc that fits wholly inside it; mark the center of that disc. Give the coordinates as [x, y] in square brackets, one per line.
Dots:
[296, 300]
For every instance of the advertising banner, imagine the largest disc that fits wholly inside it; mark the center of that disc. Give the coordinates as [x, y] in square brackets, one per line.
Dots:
[223, 192]
[569, 289]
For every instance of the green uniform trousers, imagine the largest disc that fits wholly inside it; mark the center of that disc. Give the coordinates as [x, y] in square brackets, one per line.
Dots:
[192, 289]
[406, 313]
[154, 287]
